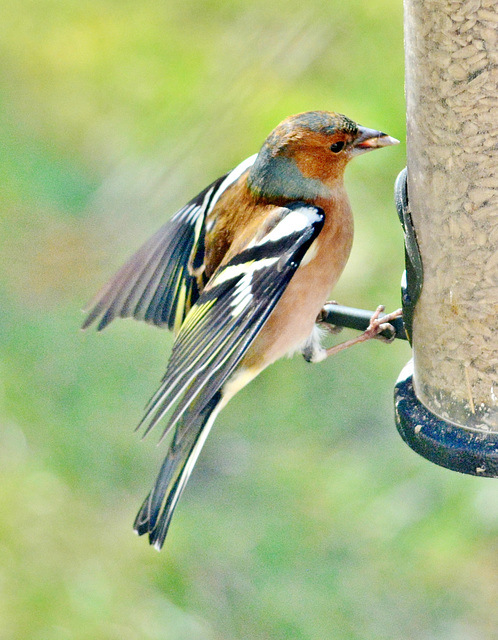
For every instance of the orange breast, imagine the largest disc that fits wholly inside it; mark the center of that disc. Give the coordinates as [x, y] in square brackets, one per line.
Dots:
[293, 319]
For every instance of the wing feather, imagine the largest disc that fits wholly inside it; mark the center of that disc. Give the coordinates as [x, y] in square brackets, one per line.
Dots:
[229, 314]
[156, 285]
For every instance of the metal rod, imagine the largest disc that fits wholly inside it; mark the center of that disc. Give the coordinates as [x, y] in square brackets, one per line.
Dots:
[359, 319]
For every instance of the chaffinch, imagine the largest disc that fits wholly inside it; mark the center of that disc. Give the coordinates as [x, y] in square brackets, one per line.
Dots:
[240, 274]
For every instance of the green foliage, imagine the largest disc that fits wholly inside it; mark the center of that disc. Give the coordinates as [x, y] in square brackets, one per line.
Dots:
[307, 517]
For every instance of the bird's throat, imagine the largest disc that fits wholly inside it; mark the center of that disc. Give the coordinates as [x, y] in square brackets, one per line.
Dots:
[279, 177]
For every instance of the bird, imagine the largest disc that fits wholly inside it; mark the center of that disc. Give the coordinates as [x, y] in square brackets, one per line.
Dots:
[240, 274]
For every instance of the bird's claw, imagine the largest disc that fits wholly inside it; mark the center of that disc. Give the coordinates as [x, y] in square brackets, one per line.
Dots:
[379, 324]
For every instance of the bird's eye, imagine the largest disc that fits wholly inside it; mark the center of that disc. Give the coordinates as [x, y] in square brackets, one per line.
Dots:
[337, 146]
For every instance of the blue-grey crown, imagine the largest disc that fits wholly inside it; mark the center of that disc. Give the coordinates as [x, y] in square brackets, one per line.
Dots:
[324, 122]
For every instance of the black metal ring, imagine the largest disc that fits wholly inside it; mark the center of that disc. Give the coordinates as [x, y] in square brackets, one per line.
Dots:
[455, 447]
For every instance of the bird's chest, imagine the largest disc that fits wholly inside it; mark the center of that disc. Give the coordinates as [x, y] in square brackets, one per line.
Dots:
[326, 258]
[293, 319]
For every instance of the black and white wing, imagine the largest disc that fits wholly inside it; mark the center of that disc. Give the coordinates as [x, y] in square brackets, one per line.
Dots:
[156, 284]
[217, 332]
[230, 312]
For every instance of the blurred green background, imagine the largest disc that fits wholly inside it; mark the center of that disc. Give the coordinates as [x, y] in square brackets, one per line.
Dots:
[306, 517]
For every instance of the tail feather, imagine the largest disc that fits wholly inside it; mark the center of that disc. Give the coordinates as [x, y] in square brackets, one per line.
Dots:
[157, 510]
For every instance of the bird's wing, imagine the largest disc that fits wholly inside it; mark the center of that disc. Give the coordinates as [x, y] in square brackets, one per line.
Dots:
[156, 285]
[230, 312]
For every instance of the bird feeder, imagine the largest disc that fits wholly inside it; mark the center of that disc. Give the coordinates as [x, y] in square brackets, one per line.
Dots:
[447, 397]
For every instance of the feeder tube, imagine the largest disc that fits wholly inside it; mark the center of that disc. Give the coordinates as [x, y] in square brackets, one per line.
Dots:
[451, 53]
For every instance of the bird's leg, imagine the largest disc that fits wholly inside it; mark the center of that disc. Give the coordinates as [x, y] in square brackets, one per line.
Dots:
[312, 349]
[377, 325]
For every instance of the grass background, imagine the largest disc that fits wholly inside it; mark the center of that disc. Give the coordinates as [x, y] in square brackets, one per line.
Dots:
[306, 517]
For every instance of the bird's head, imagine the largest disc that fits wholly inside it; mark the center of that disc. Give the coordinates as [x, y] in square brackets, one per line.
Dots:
[305, 156]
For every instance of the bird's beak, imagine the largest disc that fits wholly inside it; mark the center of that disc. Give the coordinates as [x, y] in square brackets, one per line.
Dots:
[369, 139]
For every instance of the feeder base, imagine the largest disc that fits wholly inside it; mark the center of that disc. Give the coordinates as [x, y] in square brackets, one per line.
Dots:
[447, 444]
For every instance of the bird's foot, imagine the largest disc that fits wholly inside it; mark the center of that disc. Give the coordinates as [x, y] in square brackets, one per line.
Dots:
[378, 324]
